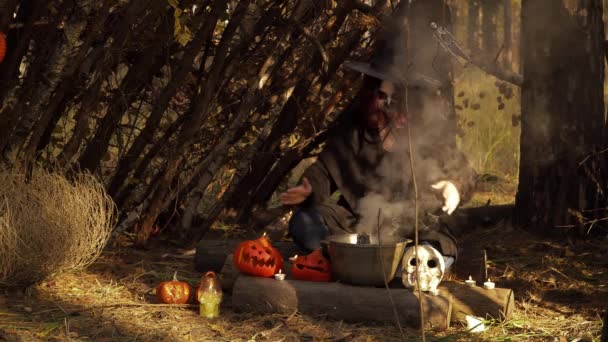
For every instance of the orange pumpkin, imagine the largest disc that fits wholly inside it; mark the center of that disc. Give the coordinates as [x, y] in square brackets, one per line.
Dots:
[2, 46]
[173, 291]
[257, 258]
[311, 267]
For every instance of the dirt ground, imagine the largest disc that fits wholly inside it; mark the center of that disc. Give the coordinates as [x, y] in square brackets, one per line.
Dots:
[561, 291]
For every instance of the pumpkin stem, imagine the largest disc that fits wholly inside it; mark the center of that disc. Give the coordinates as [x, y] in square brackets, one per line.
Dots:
[175, 276]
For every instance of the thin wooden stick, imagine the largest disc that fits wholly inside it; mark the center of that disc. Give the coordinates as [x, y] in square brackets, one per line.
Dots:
[415, 184]
[416, 206]
[390, 295]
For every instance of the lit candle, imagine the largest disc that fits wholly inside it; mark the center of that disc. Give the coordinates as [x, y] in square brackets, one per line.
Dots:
[293, 258]
[488, 285]
[280, 275]
[470, 282]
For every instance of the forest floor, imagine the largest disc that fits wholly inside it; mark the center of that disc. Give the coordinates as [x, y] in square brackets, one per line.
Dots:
[561, 292]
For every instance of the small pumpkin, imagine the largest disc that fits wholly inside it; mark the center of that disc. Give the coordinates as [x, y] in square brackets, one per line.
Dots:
[257, 257]
[173, 291]
[2, 46]
[311, 267]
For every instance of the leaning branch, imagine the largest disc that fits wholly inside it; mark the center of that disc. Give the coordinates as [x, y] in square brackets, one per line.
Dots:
[500, 73]
[451, 45]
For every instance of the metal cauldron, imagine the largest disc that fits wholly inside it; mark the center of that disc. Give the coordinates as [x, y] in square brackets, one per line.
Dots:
[361, 264]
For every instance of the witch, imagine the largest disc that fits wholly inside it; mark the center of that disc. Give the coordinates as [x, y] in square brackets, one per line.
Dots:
[397, 122]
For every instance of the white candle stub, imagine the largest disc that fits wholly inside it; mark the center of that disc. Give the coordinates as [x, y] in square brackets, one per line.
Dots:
[489, 285]
[280, 275]
[470, 282]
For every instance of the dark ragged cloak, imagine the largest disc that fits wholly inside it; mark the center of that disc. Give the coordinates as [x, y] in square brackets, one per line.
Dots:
[354, 164]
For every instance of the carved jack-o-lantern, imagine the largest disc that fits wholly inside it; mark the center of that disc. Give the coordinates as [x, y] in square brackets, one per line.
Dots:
[257, 258]
[173, 291]
[2, 46]
[311, 267]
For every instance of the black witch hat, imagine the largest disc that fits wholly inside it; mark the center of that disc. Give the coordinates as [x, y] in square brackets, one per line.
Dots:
[384, 70]
[390, 60]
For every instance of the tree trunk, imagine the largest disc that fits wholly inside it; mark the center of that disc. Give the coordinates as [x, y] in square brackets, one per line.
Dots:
[268, 69]
[147, 63]
[42, 77]
[127, 193]
[10, 117]
[473, 26]
[489, 26]
[91, 99]
[562, 115]
[198, 113]
[66, 87]
[18, 45]
[310, 138]
[89, 104]
[507, 52]
[181, 69]
[284, 124]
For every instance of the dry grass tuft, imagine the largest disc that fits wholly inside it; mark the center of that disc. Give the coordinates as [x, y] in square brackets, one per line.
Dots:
[50, 224]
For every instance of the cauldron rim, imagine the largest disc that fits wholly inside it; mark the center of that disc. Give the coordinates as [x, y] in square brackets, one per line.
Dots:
[340, 239]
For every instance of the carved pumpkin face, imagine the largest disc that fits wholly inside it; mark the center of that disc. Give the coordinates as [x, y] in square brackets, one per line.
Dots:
[173, 291]
[2, 46]
[257, 258]
[311, 267]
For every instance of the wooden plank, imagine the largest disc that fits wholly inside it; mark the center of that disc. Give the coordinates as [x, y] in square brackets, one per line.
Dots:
[338, 301]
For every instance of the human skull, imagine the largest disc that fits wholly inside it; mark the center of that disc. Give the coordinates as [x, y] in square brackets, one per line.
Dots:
[432, 267]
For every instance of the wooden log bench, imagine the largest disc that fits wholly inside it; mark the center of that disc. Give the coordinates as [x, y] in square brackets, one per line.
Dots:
[338, 301]
[364, 304]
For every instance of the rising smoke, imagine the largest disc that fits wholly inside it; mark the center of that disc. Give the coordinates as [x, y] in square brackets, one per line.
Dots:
[415, 55]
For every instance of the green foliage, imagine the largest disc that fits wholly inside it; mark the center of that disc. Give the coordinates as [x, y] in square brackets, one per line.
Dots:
[489, 118]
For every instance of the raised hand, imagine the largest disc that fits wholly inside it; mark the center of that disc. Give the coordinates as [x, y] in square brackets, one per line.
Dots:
[451, 197]
[297, 194]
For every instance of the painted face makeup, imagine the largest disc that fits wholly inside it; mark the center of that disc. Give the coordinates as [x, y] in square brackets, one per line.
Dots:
[384, 106]
[386, 97]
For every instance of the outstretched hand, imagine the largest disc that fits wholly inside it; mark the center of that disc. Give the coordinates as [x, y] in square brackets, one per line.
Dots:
[297, 194]
[451, 197]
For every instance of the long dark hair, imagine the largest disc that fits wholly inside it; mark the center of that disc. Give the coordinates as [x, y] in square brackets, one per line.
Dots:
[354, 113]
